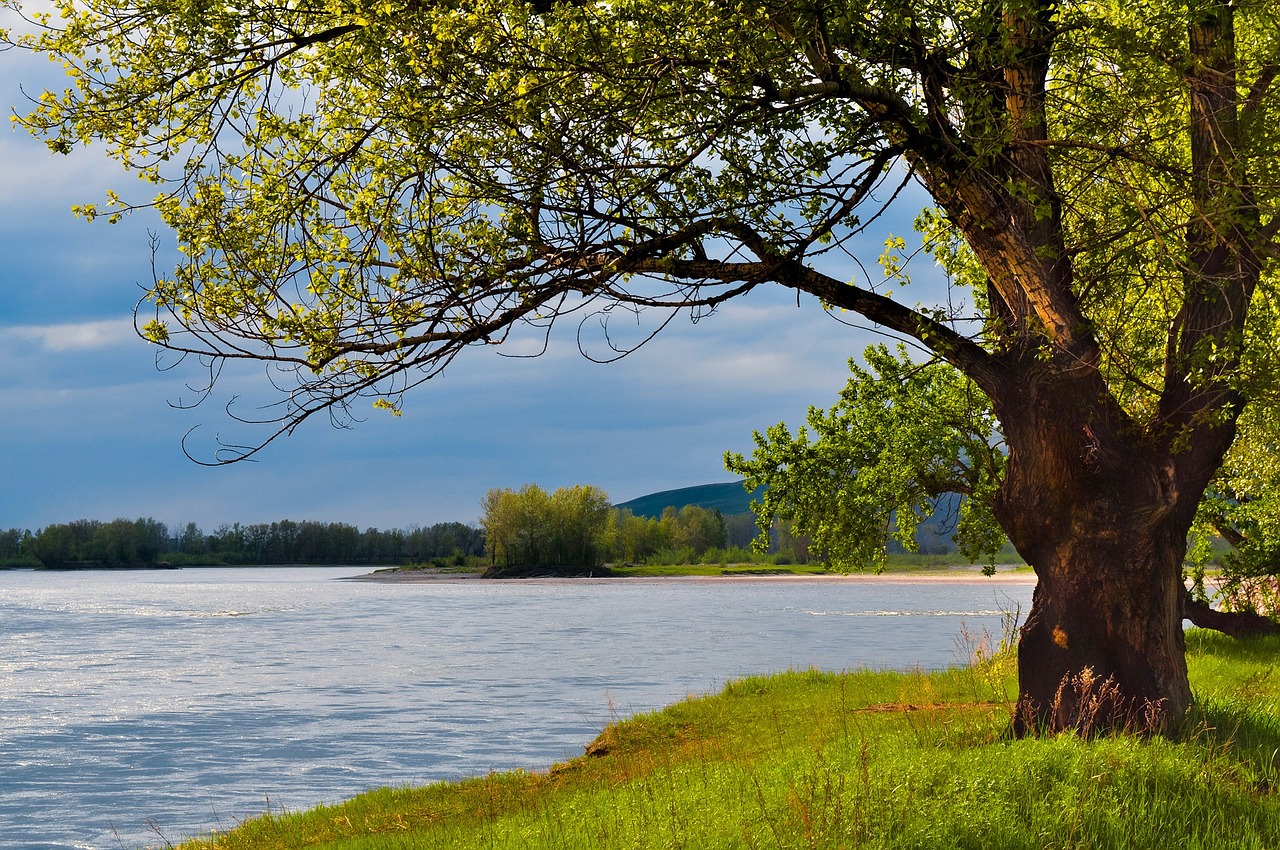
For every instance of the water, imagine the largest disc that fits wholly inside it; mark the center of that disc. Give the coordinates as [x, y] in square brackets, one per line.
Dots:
[142, 707]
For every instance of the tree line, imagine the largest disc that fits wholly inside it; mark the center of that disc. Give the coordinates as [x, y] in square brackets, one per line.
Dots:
[577, 527]
[573, 526]
[148, 542]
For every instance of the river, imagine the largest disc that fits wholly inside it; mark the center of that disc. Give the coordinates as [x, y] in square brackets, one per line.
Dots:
[141, 707]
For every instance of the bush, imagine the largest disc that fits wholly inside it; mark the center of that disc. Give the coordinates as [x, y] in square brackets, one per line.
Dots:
[673, 556]
[738, 555]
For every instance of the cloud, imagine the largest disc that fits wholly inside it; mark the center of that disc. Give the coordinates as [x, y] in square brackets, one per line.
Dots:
[71, 336]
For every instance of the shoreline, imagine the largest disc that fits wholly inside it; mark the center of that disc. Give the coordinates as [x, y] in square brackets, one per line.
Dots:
[958, 575]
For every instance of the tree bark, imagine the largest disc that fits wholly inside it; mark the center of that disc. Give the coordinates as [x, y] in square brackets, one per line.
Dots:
[1103, 520]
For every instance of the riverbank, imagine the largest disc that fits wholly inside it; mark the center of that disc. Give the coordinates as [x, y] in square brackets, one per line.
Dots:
[1005, 574]
[865, 759]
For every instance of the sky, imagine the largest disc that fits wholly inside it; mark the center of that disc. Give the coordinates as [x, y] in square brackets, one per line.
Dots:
[92, 429]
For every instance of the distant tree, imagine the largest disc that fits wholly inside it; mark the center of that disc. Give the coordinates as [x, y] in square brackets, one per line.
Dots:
[695, 528]
[11, 543]
[790, 541]
[312, 542]
[740, 530]
[632, 539]
[54, 545]
[120, 542]
[191, 541]
[529, 528]
[228, 542]
[579, 515]
[516, 525]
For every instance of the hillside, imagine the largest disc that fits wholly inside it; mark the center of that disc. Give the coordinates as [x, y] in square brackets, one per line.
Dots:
[729, 498]
[933, 536]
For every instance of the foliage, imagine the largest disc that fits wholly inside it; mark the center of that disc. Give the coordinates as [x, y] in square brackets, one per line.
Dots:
[11, 549]
[146, 542]
[576, 526]
[1243, 506]
[529, 528]
[363, 190]
[872, 466]
[120, 542]
[863, 759]
[312, 542]
[632, 539]
[404, 169]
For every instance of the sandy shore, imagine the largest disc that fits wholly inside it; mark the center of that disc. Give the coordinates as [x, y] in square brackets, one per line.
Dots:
[958, 575]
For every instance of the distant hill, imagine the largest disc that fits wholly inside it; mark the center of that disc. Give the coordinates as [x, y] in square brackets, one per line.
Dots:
[933, 535]
[729, 499]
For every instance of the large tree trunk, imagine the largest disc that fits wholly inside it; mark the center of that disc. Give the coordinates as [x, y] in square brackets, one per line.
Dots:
[1103, 520]
[1102, 648]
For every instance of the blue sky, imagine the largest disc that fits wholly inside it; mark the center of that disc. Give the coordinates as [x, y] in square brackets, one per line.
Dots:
[89, 430]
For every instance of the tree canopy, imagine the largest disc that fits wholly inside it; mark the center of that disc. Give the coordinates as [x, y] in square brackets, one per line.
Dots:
[529, 530]
[361, 190]
[146, 542]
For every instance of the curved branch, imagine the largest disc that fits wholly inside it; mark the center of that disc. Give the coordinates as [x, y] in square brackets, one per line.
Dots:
[955, 348]
[1233, 623]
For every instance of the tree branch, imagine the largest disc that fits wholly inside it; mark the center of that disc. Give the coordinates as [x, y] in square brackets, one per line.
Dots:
[957, 349]
[1233, 623]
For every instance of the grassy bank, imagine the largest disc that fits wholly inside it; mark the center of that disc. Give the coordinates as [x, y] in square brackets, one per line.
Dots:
[866, 759]
[738, 562]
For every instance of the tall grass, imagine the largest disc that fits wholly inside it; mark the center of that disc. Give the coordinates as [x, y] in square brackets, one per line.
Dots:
[864, 759]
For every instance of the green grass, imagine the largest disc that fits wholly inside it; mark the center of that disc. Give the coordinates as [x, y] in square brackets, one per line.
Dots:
[904, 561]
[864, 759]
[660, 570]
[899, 563]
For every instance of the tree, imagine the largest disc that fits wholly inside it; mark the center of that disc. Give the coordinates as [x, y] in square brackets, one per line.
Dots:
[902, 434]
[631, 539]
[579, 515]
[694, 528]
[362, 190]
[191, 540]
[11, 543]
[529, 528]
[54, 545]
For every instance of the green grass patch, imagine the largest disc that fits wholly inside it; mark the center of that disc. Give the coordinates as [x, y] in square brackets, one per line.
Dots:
[906, 561]
[863, 759]
[664, 570]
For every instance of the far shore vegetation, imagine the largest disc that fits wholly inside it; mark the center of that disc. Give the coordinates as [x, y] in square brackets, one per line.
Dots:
[865, 759]
[573, 530]
[149, 543]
